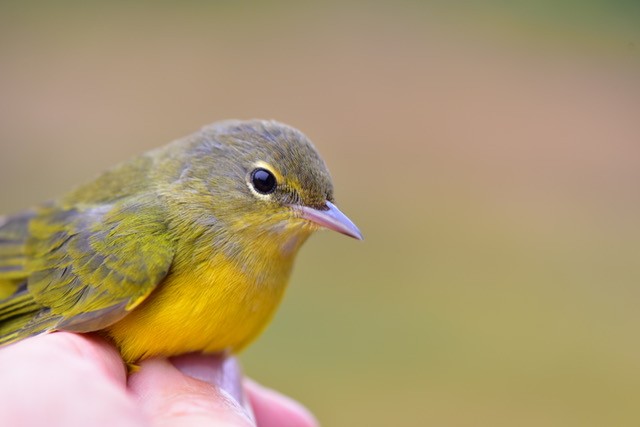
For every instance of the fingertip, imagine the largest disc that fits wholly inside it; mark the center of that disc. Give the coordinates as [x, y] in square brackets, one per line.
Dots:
[215, 369]
[273, 409]
[185, 396]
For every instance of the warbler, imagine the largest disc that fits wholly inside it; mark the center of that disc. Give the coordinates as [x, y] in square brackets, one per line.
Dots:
[186, 248]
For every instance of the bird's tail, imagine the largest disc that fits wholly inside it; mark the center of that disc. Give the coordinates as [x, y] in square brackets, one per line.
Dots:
[20, 315]
[14, 231]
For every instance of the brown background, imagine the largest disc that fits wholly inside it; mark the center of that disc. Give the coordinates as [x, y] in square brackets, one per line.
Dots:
[490, 155]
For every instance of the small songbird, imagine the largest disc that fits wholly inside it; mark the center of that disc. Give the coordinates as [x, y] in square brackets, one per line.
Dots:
[187, 248]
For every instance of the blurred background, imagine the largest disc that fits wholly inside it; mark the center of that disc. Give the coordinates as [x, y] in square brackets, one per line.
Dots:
[490, 154]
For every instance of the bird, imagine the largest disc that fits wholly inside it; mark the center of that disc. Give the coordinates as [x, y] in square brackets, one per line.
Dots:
[185, 248]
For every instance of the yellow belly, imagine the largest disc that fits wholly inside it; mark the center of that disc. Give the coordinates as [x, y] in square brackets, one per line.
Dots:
[214, 308]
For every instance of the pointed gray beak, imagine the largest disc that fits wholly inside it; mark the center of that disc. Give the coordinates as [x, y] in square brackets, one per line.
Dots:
[330, 218]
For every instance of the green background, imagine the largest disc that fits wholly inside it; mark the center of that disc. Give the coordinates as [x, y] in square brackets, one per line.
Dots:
[489, 153]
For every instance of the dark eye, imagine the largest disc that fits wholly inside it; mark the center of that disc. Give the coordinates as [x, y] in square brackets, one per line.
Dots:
[263, 181]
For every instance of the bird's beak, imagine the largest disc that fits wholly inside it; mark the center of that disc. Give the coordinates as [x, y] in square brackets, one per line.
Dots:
[330, 218]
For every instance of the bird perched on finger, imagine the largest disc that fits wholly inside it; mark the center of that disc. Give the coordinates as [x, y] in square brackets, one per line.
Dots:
[187, 248]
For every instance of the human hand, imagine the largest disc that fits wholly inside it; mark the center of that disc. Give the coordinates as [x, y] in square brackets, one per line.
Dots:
[65, 379]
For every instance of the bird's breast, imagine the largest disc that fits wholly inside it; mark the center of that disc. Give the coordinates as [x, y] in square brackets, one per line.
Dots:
[213, 306]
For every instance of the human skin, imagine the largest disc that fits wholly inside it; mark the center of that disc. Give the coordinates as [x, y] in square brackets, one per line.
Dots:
[65, 379]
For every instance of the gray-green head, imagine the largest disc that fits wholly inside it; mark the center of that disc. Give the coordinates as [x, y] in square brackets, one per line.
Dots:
[259, 177]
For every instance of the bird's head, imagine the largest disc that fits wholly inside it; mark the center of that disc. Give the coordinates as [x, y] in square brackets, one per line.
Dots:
[262, 180]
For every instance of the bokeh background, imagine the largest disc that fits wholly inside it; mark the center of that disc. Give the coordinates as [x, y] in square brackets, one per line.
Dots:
[489, 152]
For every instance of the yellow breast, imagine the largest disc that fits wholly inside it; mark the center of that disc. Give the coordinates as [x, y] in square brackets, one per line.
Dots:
[216, 306]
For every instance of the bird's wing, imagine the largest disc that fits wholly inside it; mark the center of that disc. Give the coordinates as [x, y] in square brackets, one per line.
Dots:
[89, 266]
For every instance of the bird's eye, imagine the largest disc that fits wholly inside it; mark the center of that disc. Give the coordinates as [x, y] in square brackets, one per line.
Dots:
[263, 181]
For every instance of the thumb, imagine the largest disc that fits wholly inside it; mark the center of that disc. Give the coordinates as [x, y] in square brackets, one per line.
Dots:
[192, 391]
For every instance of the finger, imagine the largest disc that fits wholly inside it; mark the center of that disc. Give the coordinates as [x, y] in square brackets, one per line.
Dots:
[191, 391]
[273, 409]
[64, 379]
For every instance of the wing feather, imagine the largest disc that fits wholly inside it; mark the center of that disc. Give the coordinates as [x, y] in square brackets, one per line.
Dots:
[90, 267]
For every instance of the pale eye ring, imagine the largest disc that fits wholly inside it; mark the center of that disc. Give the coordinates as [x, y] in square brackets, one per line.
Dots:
[263, 181]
